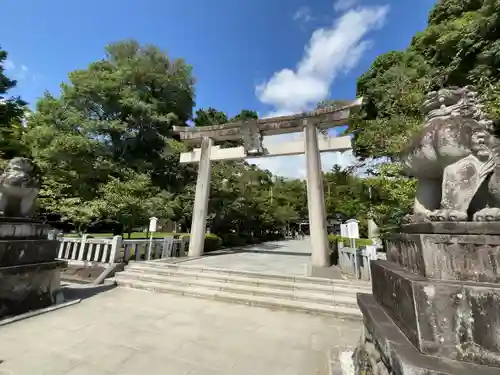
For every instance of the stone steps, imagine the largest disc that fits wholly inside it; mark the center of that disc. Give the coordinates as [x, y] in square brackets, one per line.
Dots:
[283, 282]
[268, 302]
[295, 293]
[185, 267]
[324, 298]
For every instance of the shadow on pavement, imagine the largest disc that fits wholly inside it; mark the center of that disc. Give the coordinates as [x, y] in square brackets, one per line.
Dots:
[263, 248]
[270, 252]
[81, 291]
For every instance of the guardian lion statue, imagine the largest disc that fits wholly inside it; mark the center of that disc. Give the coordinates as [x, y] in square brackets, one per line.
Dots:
[455, 158]
[19, 187]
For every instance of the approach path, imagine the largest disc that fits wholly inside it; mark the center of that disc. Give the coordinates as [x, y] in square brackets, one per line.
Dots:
[125, 331]
[283, 257]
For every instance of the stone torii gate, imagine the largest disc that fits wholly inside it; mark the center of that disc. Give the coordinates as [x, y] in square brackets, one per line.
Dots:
[252, 133]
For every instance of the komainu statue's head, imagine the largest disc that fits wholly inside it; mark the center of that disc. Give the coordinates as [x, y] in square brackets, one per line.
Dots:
[20, 171]
[455, 102]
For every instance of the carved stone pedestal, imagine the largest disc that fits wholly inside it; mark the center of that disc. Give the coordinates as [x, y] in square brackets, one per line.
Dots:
[29, 271]
[435, 307]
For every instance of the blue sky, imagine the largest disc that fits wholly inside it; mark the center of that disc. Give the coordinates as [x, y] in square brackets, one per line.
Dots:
[272, 56]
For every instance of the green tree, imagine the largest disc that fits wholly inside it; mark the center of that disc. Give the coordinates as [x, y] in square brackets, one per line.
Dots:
[245, 114]
[332, 104]
[131, 99]
[112, 124]
[391, 195]
[460, 46]
[128, 200]
[210, 116]
[12, 111]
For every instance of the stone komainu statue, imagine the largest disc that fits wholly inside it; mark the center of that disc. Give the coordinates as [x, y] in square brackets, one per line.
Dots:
[19, 187]
[455, 158]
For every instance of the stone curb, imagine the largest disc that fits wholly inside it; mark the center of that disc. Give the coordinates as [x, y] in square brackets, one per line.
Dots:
[30, 314]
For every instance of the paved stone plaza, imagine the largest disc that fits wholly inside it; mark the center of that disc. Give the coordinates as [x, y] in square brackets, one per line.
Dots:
[283, 257]
[125, 331]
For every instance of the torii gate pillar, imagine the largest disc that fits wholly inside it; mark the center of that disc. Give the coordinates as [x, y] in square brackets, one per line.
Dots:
[320, 254]
[200, 208]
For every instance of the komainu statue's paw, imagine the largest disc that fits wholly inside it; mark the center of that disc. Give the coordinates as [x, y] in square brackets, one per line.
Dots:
[438, 215]
[412, 219]
[457, 216]
[448, 215]
[407, 219]
[487, 214]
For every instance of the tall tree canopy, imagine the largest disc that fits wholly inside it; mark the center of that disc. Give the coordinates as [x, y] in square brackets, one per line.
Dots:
[112, 125]
[12, 110]
[460, 46]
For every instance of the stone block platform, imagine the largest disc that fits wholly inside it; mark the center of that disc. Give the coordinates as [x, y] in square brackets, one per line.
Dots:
[435, 307]
[29, 270]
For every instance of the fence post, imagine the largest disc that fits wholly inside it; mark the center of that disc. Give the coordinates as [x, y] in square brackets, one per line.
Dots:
[165, 251]
[163, 248]
[184, 242]
[62, 246]
[81, 250]
[116, 246]
[126, 252]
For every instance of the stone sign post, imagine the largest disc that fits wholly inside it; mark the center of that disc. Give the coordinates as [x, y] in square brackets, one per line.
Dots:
[435, 307]
[252, 133]
[153, 224]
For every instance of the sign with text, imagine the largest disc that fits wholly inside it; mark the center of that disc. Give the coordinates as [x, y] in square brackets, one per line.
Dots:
[352, 228]
[344, 231]
[153, 223]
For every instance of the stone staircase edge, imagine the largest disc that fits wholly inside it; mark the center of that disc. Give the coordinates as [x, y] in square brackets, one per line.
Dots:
[334, 298]
[251, 300]
[243, 280]
[295, 278]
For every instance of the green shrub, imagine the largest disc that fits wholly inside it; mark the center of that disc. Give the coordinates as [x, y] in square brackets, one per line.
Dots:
[212, 242]
[347, 241]
[234, 239]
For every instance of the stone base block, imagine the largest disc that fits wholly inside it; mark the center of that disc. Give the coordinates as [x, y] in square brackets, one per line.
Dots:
[22, 228]
[462, 251]
[17, 252]
[325, 272]
[455, 320]
[385, 350]
[29, 287]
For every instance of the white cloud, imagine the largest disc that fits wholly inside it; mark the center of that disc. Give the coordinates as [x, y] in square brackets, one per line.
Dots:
[9, 65]
[343, 5]
[303, 14]
[295, 166]
[18, 72]
[329, 53]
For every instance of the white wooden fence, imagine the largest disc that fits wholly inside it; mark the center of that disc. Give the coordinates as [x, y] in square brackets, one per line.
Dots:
[160, 248]
[109, 253]
[356, 262]
[87, 251]
[90, 250]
